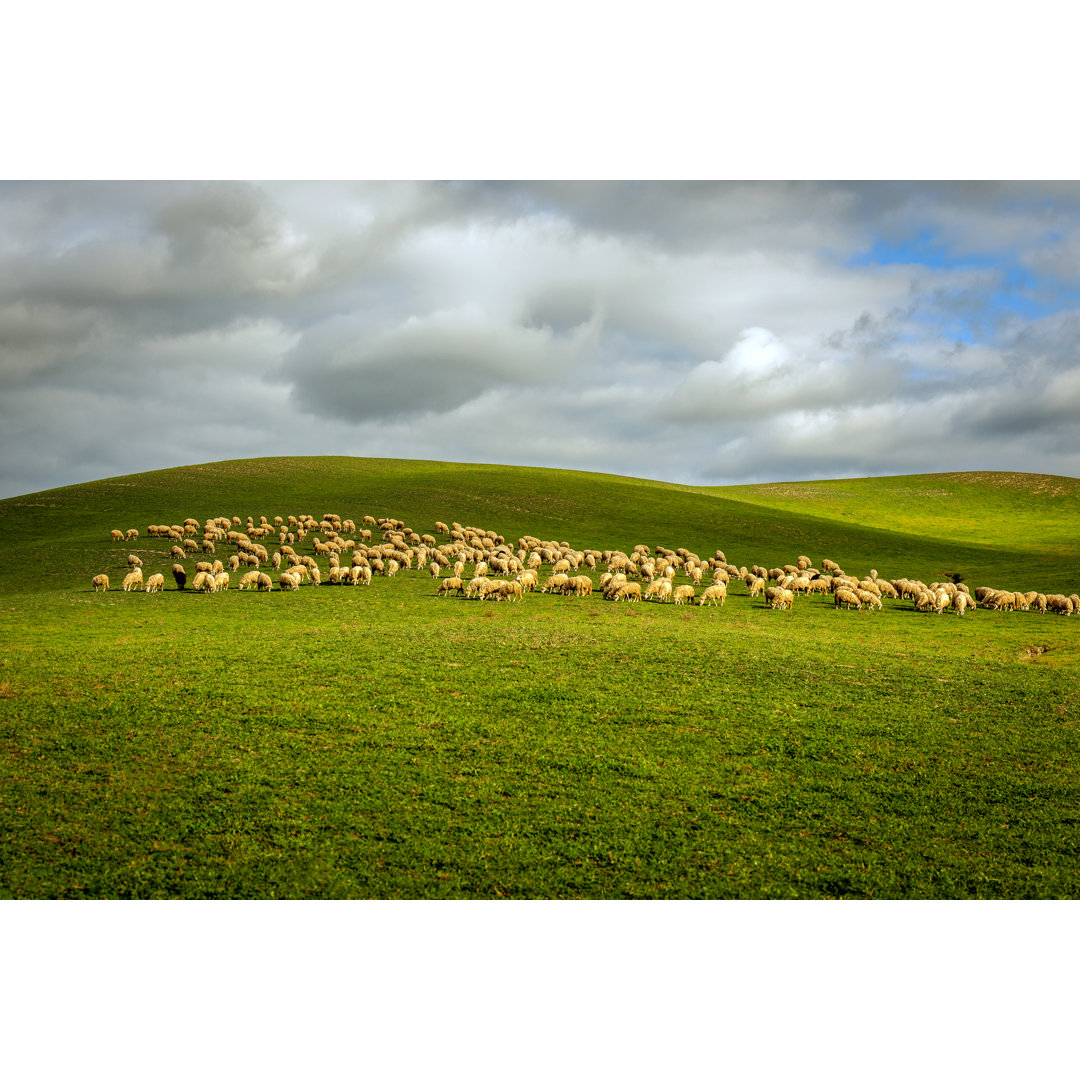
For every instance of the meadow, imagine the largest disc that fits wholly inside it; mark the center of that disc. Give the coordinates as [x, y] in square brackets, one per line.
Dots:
[386, 742]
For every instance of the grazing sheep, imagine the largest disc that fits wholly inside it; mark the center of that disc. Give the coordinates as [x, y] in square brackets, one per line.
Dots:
[870, 599]
[203, 582]
[717, 591]
[844, 597]
[510, 590]
[529, 580]
[179, 575]
[555, 583]
[249, 579]
[450, 585]
[659, 590]
[962, 602]
[683, 594]
[155, 583]
[288, 581]
[134, 560]
[133, 580]
[783, 599]
[263, 583]
[581, 585]
[479, 587]
[132, 534]
[630, 591]
[221, 582]
[116, 534]
[100, 581]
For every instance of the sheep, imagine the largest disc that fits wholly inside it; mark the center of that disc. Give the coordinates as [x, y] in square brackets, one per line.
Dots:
[630, 591]
[316, 576]
[962, 602]
[660, 590]
[263, 583]
[221, 582]
[870, 599]
[783, 599]
[249, 579]
[716, 591]
[479, 587]
[134, 560]
[288, 581]
[450, 585]
[100, 581]
[179, 575]
[133, 580]
[509, 590]
[555, 583]
[581, 585]
[683, 594]
[203, 582]
[132, 534]
[844, 597]
[116, 534]
[155, 583]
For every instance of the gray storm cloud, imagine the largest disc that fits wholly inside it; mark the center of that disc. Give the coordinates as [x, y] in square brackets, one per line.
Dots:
[693, 332]
[431, 364]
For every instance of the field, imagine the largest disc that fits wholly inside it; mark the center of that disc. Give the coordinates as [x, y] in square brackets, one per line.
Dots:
[385, 742]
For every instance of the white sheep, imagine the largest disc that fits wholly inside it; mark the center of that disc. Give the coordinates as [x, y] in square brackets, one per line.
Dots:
[716, 591]
[155, 583]
[133, 580]
[100, 581]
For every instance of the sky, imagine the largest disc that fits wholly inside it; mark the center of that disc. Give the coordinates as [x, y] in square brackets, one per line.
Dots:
[698, 332]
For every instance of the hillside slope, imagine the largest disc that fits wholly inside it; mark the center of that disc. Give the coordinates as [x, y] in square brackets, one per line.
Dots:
[1002, 529]
[1028, 511]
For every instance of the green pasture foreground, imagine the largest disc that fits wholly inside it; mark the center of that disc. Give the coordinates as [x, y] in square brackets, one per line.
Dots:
[382, 742]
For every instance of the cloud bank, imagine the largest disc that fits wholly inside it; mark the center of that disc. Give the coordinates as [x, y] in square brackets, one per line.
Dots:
[701, 333]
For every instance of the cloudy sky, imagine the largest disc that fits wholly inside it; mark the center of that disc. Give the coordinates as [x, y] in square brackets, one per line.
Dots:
[704, 333]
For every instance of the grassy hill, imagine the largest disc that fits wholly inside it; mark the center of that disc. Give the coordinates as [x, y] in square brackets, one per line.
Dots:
[385, 742]
[988, 527]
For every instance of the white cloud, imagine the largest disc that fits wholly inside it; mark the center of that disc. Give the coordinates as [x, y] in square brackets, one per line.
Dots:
[687, 332]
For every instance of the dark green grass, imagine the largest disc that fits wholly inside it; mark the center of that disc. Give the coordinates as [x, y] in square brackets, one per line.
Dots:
[383, 742]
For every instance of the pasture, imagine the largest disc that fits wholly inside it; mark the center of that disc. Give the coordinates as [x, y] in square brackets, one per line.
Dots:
[383, 741]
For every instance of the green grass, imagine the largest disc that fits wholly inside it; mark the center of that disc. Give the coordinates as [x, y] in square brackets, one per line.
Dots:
[383, 742]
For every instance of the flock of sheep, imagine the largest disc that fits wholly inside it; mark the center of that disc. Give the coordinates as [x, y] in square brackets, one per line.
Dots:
[643, 574]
